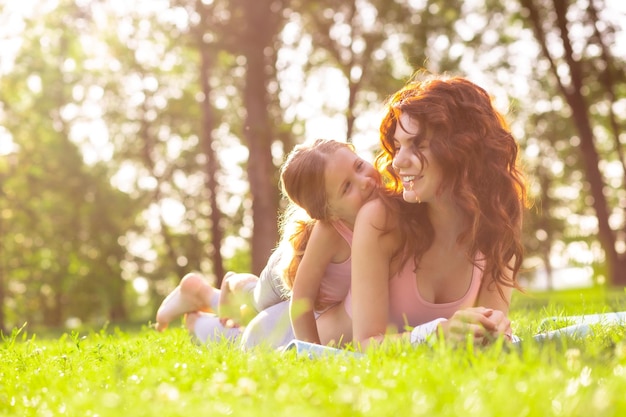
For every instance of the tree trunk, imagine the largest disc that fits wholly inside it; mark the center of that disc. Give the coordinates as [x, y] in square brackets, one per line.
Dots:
[53, 303]
[591, 159]
[212, 163]
[117, 311]
[259, 37]
[616, 272]
[3, 327]
[544, 223]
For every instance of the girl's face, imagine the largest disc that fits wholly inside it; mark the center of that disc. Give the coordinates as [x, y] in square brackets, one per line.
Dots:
[420, 178]
[350, 183]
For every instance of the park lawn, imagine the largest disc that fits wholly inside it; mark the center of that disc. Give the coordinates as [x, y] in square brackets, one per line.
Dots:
[119, 373]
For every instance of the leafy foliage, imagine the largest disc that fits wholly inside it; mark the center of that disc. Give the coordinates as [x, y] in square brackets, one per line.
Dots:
[109, 194]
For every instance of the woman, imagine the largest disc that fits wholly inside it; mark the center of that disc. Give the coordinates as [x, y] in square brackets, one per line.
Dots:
[448, 260]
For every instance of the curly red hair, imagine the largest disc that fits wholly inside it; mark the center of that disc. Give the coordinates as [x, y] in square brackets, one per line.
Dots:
[471, 140]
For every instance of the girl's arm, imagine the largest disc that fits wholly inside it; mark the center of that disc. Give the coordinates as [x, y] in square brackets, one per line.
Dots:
[371, 259]
[323, 244]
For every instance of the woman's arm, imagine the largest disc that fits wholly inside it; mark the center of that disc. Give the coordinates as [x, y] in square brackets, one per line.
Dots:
[323, 244]
[498, 298]
[372, 251]
[487, 320]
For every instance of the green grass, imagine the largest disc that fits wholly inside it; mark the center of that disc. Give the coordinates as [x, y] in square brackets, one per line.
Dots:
[145, 373]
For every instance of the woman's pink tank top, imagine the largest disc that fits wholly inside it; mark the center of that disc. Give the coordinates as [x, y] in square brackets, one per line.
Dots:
[408, 308]
[336, 282]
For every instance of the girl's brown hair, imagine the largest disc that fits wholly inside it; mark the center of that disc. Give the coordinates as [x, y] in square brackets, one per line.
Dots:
[303, 182]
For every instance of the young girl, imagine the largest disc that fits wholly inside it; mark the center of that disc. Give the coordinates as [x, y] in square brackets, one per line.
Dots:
[328, 180]
[442, 248]
[331, 183]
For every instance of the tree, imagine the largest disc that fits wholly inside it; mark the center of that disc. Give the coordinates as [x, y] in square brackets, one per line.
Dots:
[586, 75]
[353, 37]
[61, 256]
[207, 60]
[260, 22]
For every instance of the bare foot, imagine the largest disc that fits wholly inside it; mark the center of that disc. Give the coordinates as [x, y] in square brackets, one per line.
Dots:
[207, 326]
[236, 293]
[193, 294]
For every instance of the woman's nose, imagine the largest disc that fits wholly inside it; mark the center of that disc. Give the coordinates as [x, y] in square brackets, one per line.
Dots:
[399, 161]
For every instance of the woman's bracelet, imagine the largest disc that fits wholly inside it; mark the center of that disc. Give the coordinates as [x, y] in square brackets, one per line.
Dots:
[421, 333]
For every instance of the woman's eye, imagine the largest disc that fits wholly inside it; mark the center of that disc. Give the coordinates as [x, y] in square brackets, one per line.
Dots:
[420, 144]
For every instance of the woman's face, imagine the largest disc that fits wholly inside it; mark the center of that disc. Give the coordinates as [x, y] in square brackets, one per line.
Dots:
[421, 181]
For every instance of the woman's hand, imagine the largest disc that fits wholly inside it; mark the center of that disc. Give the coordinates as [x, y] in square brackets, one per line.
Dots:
[502, 325]
[483, 324]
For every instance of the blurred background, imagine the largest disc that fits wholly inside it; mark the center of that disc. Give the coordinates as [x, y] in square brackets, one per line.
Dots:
[141, 139]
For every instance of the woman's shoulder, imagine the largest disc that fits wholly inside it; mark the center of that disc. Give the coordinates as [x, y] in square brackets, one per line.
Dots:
[376, 213]
[375, 206]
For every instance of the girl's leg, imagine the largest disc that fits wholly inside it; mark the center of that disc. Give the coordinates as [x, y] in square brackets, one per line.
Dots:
[193, 294]
[271, 327]
[236, 297]
[207, 327]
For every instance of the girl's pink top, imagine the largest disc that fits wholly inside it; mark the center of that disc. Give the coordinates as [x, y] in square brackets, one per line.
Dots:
[336, 282]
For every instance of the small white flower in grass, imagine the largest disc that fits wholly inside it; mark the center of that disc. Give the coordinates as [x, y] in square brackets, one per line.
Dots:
[167, 392]
[345, 394]
[521, 387]
[111, 400]
[282, 393]
[219, 384]
[572, 387]
[220, 377]
[585, 377]
[247, 386]
[620, 351]
[601, 399]
[573, 359]
[134, 378]
[421, 404]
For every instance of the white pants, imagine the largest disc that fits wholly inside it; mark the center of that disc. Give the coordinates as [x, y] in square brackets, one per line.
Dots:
[271, 327]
